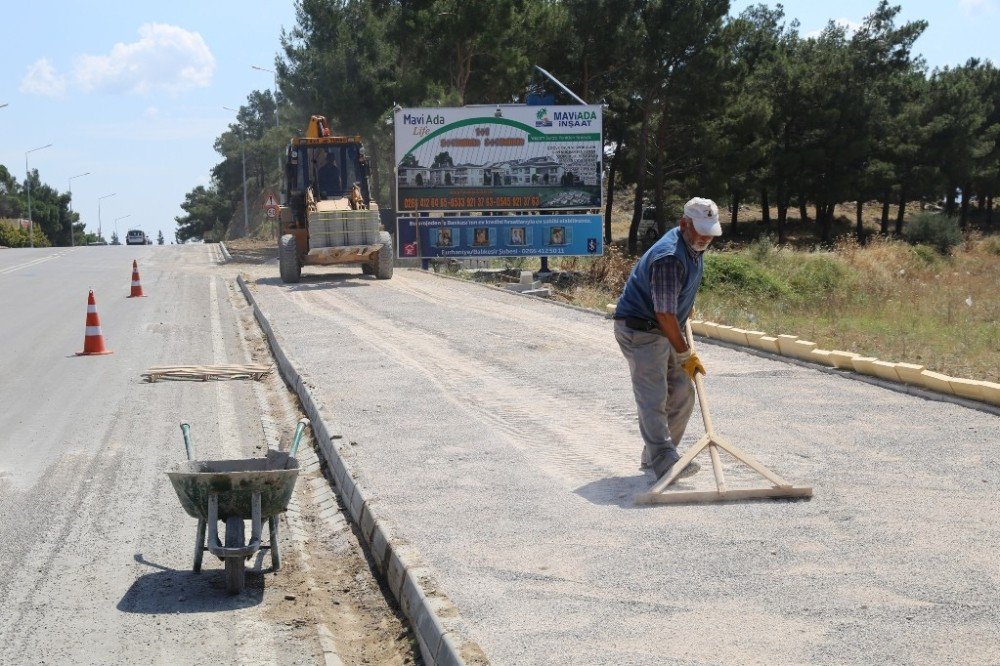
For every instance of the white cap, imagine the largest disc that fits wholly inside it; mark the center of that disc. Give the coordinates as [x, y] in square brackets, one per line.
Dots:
[704, 214]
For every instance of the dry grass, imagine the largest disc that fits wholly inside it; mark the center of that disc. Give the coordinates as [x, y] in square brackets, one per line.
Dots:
[900, 303]
[252, 250]
[886, 299]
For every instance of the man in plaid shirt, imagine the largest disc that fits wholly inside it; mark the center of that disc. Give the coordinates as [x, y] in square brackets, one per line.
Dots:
[649, 322]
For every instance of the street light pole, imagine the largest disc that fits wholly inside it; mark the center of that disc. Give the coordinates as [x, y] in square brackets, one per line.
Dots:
[100, 230]
[271, 71]
[116, 225]
[246, 210]
[72, 242]
[27, 180]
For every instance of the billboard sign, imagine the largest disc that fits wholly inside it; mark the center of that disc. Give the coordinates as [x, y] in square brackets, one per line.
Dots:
[478, 236]
[498, 158]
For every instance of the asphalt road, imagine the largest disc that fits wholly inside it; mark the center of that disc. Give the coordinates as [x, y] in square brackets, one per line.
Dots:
[95, 547]
[497, 434]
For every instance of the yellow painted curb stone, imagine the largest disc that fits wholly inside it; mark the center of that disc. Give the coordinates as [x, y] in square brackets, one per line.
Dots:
[767, 343]
[909, 373]
[863, 364]
[966, 388]
[785, 343]
[802, 349]
[821, 356]
[885, 370]
[843, 359]
[935, 381]
[991, 393]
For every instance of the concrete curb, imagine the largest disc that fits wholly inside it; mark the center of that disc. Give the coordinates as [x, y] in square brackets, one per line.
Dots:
[435, 620]
[225, 252]
[846, 374]
[867, 379]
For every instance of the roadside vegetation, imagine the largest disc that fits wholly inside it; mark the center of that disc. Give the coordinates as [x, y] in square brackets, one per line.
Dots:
[931, 298]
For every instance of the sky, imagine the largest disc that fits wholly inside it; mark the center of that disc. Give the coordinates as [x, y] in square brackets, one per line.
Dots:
[132, 92]
[957, 30]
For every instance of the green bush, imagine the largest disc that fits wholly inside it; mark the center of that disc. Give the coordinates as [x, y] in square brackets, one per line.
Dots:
[939, 231]
[761, 248]
[11, 235]
[818, 276]
[927, 254]
[734, 273]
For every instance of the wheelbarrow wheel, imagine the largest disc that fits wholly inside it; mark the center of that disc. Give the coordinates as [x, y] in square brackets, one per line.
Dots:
[275, 548]
[235, 566]
[199, 547]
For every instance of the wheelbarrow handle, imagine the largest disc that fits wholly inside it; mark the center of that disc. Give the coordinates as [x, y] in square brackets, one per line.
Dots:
[297, 439]
[188, 444]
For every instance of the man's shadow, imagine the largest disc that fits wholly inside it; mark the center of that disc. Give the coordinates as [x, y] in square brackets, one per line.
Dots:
[617, 490]
[183, 591]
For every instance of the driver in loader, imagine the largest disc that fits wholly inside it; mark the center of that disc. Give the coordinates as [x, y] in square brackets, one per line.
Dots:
[327, 174]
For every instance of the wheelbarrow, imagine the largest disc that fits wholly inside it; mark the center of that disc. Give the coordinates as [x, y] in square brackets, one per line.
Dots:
[233, 491]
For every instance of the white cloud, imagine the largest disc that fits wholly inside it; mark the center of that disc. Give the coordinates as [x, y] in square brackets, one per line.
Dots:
[42, 79]
[850, 26]
[151, 113]
[166, 57]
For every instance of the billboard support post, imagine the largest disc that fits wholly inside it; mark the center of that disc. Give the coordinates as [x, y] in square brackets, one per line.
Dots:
[561, 86]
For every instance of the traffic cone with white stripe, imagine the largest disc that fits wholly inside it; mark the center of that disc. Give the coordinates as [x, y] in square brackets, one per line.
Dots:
[136, 286]
[93, 341]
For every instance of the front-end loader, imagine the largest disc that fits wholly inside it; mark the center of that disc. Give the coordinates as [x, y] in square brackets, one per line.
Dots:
[327, 215]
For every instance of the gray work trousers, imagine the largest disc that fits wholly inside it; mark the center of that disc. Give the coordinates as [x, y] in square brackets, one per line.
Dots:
[664, 394]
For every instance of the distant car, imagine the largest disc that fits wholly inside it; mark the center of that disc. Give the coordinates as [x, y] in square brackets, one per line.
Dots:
[135, 237]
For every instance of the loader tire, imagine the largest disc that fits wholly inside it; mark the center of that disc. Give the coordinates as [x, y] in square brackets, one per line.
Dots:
[383, 264]
[288, 260]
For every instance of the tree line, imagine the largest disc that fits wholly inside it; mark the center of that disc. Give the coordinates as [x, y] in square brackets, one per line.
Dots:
[743, 109]
[50, 212]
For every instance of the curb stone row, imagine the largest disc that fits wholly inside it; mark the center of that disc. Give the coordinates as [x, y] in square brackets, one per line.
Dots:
[436, 622]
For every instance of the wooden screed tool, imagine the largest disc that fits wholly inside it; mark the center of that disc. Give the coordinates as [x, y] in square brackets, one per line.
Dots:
[658, 494]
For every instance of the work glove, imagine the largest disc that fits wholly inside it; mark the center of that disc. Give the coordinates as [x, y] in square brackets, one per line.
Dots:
[691, 363]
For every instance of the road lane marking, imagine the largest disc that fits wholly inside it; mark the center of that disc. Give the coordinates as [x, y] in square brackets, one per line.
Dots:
[34, 262]
[228, 439]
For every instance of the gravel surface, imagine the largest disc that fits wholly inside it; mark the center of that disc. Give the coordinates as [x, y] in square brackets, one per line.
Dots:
[95, 546]
[498, 435]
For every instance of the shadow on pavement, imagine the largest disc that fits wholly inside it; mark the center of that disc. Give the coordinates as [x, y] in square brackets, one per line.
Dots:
[326, 281]
[616, 490]
[183, 591]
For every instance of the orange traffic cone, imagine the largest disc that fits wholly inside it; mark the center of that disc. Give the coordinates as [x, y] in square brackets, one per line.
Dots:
[93, 341]
[136, 286]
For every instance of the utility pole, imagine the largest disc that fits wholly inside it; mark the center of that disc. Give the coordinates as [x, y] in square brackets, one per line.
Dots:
[116, 226]
[271, 71]
[100, 233]
[72, 241]
[27, 181]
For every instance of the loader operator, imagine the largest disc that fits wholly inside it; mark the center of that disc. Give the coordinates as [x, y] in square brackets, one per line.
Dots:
[649, 322]
[328, 174]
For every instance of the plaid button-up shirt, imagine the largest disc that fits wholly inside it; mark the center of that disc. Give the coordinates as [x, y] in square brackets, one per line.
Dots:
[665, 283]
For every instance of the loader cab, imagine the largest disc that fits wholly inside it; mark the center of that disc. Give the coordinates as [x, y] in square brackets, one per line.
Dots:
[330, 169]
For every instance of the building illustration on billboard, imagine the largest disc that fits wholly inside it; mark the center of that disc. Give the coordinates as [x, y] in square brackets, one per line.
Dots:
[465, 159]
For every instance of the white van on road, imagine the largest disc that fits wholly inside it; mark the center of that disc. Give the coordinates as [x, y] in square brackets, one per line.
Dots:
[135, 237]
